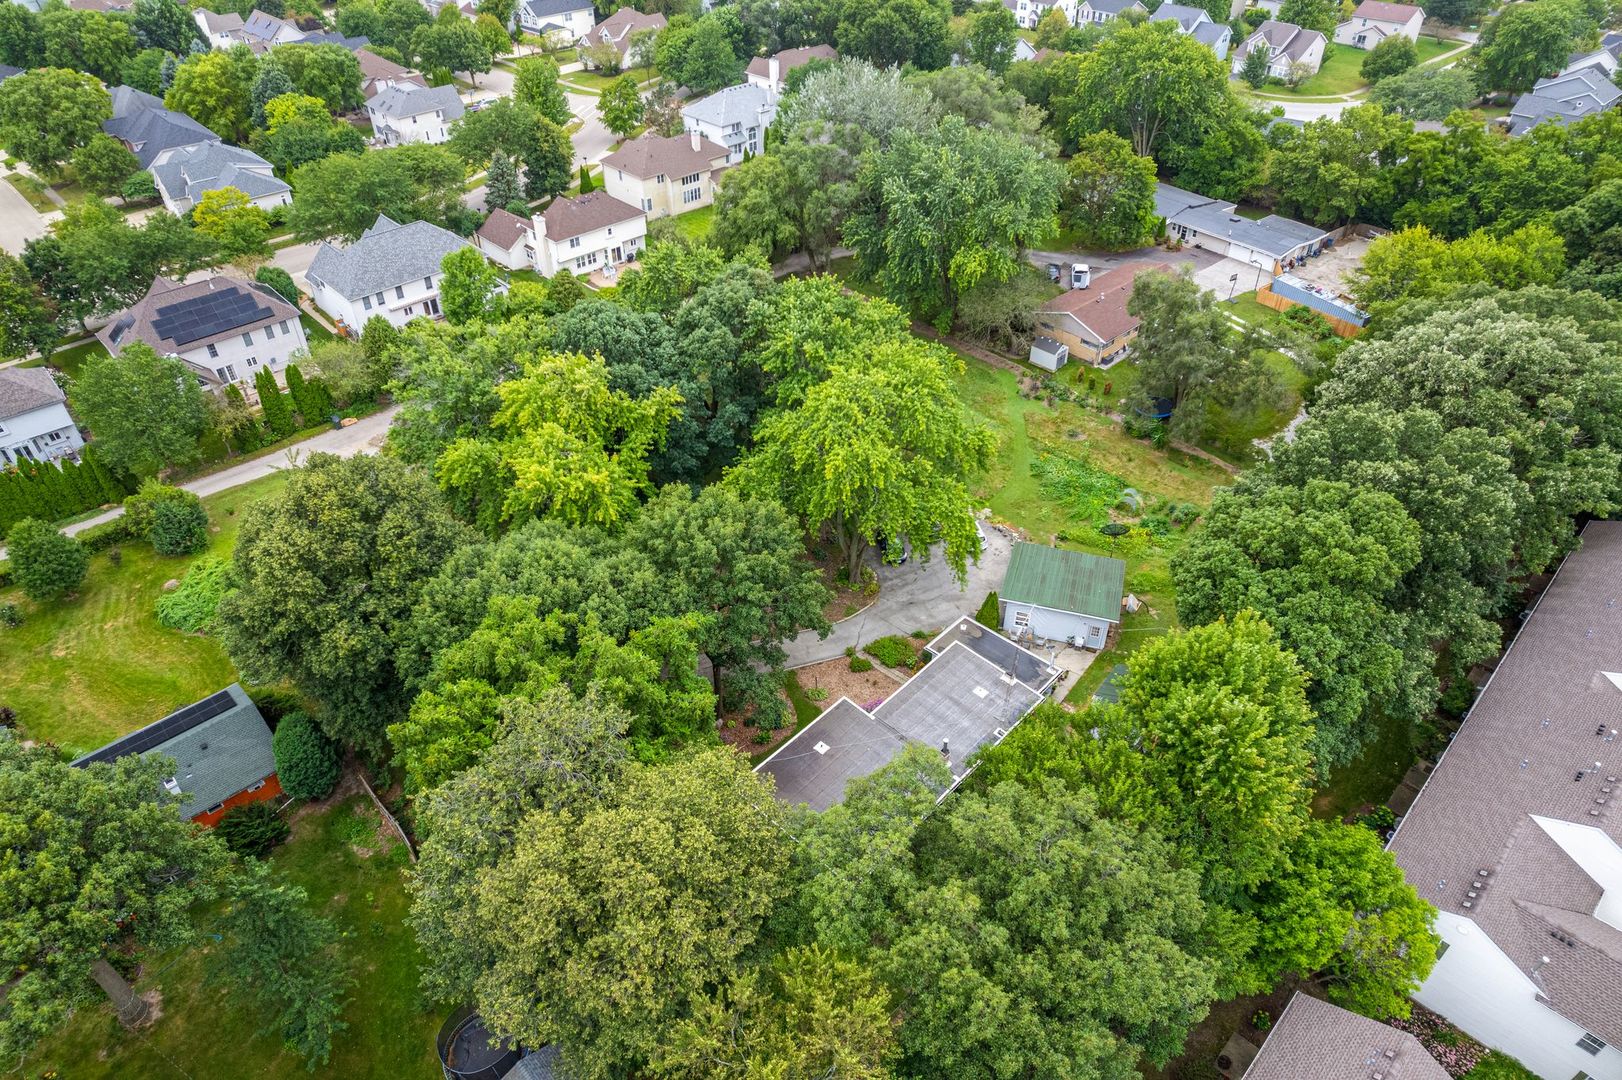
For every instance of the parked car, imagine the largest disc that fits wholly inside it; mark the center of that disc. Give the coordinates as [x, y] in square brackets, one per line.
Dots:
[1080, 275]
[1053, 273]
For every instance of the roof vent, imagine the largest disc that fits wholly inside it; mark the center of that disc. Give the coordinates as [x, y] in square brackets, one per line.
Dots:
[980, 691]
[1390, 1053]
[821, 748]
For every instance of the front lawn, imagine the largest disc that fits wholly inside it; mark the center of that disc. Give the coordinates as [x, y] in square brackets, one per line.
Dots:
[81, 672]
[68, 361]
[595, 82]
[354, 873]
[1341, 72]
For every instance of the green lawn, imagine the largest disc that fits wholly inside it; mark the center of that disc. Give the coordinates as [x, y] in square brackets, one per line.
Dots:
[68, 361]
[1341, 71]
[695, 224]
[353, 874]
[314, 332]
[1369, 780]
[595, 82]
[80, 672]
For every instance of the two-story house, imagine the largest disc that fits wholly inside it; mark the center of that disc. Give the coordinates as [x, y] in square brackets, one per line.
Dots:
[507, 240]
[378, 74]
[736, 118]
[34, 420]
[769, 72]
[588, 232]
[1288, 47]
[665, 176]
[618, 29]
[186, 175]
[150, 131]
[405, 113]
[1027, 13]
[259, 31]
[225, 329]
[1375, 20]
[570, 19]
[391, 271]
[1197, 23]
[1099, 12]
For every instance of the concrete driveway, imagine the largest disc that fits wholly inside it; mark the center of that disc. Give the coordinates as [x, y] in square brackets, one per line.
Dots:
[19, 222]
[917, 596]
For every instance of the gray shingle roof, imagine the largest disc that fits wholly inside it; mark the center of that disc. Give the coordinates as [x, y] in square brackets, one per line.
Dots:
[1113, 7]
[541, 9]
[23, 390]
[1315, 1040]
[1564, 99]
[1183, 15]
[1293, 40]
[398, 102]
[217, 751]
[191, 172]
[1211, 33]
[1523, 765]
[140, 120]
[741, 104]
[218, 23]
[650, 154]
[386, 255]
[1274, 235]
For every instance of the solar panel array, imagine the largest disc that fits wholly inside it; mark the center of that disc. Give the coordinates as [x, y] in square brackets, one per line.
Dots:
[176, 723]
[208, 315]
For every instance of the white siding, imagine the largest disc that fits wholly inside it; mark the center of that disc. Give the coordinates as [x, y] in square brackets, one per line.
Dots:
[241, 360]
[39, 434]
[1051, 625]
[609, 246]
[419, 300]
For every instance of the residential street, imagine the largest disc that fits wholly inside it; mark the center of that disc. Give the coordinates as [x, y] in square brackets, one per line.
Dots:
[19, 222]
[591, 143]
[911, 597]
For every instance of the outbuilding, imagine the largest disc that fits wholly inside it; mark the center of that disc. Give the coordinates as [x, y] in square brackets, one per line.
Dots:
[1058, 595]
[1048, 354]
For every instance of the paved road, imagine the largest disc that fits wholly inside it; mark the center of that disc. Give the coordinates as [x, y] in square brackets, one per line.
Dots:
[1312, 110]
[295, 260]
[911, 597]
[591, 143]
[363, 437]
[19, 222]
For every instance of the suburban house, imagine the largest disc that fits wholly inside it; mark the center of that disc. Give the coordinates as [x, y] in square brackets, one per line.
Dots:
[378, 74]
[1102, 11]
[665, 176]
[220, 748]
[149, 130]
[221, 31]
[617, 29]
[736, 117]
[1027, 13]
[406, 113]
[259, 31]
[186, 175]
[507, 240]
[392, 271]
[1287, 46]
[588, 232]
[975, 689]
[1272, 243]
[1092, 322]
[34, 420]
[770, 71]
[1375, 20]
[1313, 1038]
[225, 329]
[1197, 23]
[1054, 594]
[1515, 835]
[1564, 99]
[571, 19]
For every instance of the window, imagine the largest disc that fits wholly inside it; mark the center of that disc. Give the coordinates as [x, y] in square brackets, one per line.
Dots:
[255, 787]
[428, 282]
[216, 808]
[1593, 1044]
[228, 373]
[270, 333]
[574, 241]
[693, 179]
[213, 353]
[692, 195]
[283, 325]
[247, 339]
[379, 299]
[659, 179]
[410, 308]
[253, 361]
[366, 302]
[647, 205]
[431, 306]
[399, 292]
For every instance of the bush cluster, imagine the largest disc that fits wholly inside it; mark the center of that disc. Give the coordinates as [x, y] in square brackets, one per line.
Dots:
[193, 605]
[892, 651]
[252, 829]
[47, 564]
[306, 760]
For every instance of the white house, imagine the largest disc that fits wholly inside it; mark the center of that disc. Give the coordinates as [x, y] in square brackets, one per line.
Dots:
[1287, 45]
[34, 420]
[1514, 836]
[225, 329]
[378, 74]
[588, 232]
[259, 31]
[736, 118]
[184, 176]
[1102, 11]
[221, 31]
[665, 176]
[619, 28]
[1027, 13]
[507, 240]
[405, 113]
[1053, 594]
[568, 18]
[1375, 20]
[392, 271]
[768, 72]
[1196, 23]
[1274, 243]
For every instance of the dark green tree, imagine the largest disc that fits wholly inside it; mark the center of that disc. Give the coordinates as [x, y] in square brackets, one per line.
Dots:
[307, 762]
[44, 562]
[145, 412]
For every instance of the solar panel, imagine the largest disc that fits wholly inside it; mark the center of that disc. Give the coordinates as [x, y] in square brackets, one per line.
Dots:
[176, 723]
[208, 315]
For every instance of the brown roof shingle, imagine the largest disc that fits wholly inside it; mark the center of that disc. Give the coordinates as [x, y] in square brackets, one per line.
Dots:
[651, 155]
[583, 213]
[1386, 12]
[159, 312]
[504, 229]
[789, 59]
[1101, 307]
[1315, 1040]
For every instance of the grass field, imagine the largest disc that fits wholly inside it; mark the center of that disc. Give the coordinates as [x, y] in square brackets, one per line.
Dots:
[1341, 71]
[354, 876]
[695, 224]
[68, 361]
[595, 82]
[82, 671]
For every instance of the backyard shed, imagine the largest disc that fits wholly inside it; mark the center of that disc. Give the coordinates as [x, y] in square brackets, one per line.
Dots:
[1048, 354]
[1059, 595]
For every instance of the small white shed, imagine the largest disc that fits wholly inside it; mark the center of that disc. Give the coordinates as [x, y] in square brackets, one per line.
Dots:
[1059, 595]
[1048, 354]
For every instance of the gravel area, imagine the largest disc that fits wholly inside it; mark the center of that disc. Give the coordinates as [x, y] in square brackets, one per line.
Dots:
[865, 688]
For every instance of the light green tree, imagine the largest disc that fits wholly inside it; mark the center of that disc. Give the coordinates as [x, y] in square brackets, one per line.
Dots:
[535, 83]
[1109, 193]
[621, 106]
[144, 411]
[469, 288]
[238, 227]
[1149, 83]
[46, 115]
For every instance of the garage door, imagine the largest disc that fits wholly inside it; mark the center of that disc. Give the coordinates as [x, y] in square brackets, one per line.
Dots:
[1248, 255]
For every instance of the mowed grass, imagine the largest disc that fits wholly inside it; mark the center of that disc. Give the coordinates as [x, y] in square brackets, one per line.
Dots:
[82, 671]
[69, 360]
[1342, 73]
[695, 225]
[355, 876]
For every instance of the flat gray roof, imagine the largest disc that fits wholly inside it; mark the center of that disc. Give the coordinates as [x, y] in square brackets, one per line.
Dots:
[843, 743]
[991, 646]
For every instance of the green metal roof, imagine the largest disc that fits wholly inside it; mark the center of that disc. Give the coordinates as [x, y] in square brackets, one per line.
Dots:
[1065, 581]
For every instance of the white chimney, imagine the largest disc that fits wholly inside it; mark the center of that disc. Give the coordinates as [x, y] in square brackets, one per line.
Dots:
[540, 227]
[695, 138]
[772, 68]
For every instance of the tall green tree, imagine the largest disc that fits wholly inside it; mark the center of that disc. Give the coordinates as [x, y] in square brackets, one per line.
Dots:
[340, 197]
[216, 90]
[894, 33]
[144, 411]
[468, 288]
[1523, 44]
[22, 37]
[329, 567]
[164, 24]
[98, 860]
[1336, 168]
[990, 38]
[815, 322]
[1109, 193]
[501, 182]
[621, 106]
[535, 83]
[327, 71]
[1149, 83]
[28, 318]
[882, 447]
[453, 45]
[46, 115]
[103, 164]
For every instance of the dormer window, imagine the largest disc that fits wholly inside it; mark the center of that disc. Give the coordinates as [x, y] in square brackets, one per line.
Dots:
[171, 786]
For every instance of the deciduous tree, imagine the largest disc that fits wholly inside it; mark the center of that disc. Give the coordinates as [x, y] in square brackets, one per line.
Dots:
[46, 115]
[1149, 83]
[216, 90]
[535, 83]
[47, 564]
[144, 411]
[237, 227]
[103, 164]
[990, 38]
[621, 106]
[1109, 194]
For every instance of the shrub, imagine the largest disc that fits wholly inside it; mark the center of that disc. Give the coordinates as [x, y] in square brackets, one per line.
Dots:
[108, 534]
[47, 564]
[173, 520]
[193, 605]
[988, 613]
[8, 716]
[252, 829]
[861, 663]
[1392, 56]
[892, 651]
[306, 760]
[279, 280]
[11, 616]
